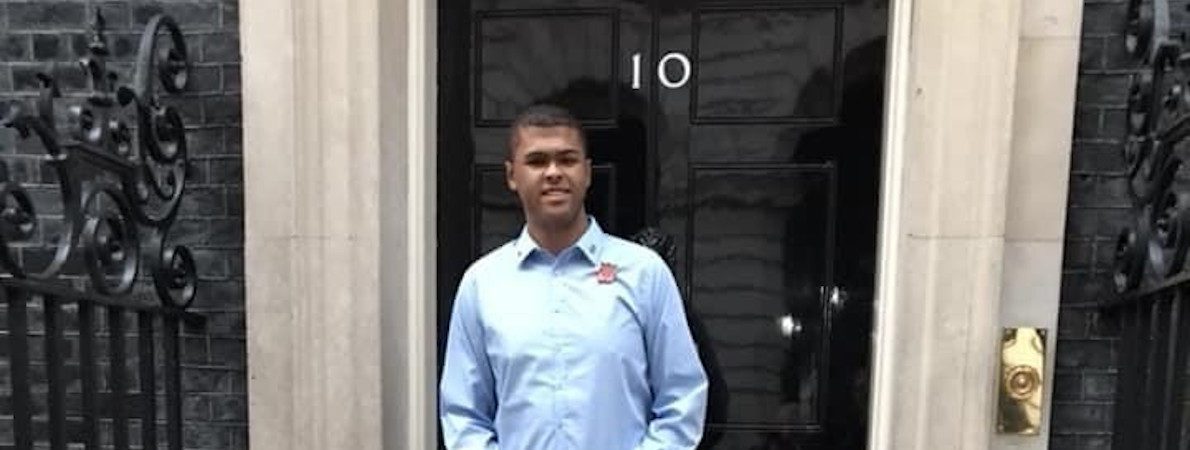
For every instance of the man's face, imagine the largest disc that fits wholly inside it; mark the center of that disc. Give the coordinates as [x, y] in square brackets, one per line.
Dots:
[550, 173]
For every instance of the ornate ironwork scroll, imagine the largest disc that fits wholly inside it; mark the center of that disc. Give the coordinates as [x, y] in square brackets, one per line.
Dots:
[1150, 274]
[1154, 248]
[121, 184]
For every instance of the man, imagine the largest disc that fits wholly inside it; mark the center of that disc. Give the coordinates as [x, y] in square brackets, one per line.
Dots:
[567, 338]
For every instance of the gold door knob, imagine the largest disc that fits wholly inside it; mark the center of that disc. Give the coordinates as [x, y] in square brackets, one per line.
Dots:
[1022, 382]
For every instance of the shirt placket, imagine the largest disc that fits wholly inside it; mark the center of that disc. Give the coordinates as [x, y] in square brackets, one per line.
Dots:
[557, 303]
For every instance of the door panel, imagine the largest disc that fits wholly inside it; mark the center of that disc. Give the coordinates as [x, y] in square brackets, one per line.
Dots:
[761, 166]
[765, 64]
[759, 263]
[527, 55]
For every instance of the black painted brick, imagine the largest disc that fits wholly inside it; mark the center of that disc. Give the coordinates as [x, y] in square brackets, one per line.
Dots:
[1112, 191]
[117, 15]
[222, 110]
[190, 108]
[1112, 220]
[1096, 442]
[47, 47]
[205, 79]
[1072, 324]
[205, 141]
[221, 47]
[198, 435]
[1115, 54]
[226, 171]
[78, 43]
[123, 46]
[228, 352]
[1082, 190]
[231, 323]
[1086, 122]
[194, 350]
[197, 406]
[1067, 387]
[200, 233]
[49, 36]
[1114, 125]
[1098, 208]
[194, 15]
[1092, 53]
[1078, 288]
[44, 15]
[1100, 387]
[223, 295]
[1103, 89]
[235, 201]
[235, 261]
[211, 264]
[5, 86]
[231, 78]
[1098, 157]
[1081, 417]
[1103, 18]
[204, 201]
[201, 379]
[15, 47]
[231, 13]
[229, 408]
[1103, 324]
[24, 77]
[233, 143]
[1078, 254]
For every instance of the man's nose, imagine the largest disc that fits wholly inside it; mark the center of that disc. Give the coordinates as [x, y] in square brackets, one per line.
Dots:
[553, 169]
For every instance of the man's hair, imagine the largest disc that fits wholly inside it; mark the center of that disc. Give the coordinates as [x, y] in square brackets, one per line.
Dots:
[543, 115]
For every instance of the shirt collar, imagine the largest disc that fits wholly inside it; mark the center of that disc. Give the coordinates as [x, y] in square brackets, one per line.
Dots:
[590, 244]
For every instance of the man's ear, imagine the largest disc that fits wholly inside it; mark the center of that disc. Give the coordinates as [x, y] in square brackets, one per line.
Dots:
[508, 176]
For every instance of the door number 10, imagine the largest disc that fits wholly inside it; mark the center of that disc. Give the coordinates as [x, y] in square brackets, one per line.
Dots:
[663, 77]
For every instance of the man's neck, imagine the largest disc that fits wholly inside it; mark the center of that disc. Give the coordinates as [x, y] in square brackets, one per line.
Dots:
[556, 239]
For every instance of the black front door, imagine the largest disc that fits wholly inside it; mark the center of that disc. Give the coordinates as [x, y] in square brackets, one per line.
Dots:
[747, 132]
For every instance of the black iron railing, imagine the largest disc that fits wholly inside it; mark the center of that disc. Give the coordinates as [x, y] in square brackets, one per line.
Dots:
[93, 359]
[1151, 279]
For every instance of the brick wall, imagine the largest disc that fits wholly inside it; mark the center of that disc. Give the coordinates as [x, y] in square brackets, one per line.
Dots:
[36, 35]
[1098, 208]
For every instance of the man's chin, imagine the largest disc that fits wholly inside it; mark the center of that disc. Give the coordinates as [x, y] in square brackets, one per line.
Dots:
[556, 219]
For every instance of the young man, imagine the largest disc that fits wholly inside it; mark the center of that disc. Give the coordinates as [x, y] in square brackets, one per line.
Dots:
[567, 338]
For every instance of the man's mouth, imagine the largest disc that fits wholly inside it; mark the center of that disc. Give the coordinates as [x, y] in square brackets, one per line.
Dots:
[555, 192]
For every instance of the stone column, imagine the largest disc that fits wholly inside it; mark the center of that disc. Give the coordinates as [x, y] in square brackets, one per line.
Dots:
[338, 168]
[953, 67]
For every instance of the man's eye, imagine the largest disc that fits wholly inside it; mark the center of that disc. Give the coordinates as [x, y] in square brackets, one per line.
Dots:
[535, 161]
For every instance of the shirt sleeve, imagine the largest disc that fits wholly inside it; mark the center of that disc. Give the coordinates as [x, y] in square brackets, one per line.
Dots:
[467, 400]
[676, 375]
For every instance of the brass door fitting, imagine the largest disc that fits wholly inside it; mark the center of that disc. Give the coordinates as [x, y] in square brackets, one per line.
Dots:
[1022, 380]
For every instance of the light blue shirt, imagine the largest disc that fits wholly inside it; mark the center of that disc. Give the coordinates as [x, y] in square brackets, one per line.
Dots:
[543, 354]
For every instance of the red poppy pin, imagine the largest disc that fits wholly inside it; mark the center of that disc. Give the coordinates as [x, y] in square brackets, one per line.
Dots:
[606, 273]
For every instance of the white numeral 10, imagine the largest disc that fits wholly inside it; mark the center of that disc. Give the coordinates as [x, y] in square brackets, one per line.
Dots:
[661, 75]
